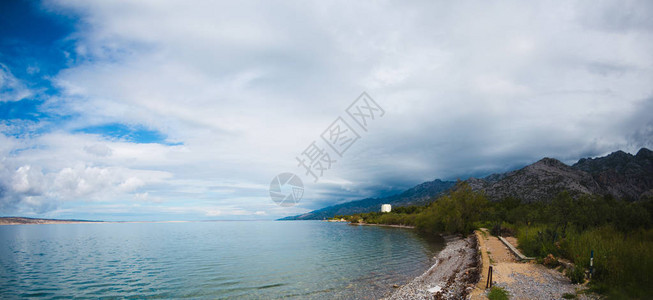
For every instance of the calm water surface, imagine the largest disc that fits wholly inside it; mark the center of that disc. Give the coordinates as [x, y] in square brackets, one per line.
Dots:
[259, 259]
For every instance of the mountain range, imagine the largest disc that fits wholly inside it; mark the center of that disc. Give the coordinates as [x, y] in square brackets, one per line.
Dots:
[619, 174]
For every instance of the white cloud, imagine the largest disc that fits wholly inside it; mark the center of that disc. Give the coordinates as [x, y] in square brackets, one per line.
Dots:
[28, 181]
[11, 89]
[101, 150]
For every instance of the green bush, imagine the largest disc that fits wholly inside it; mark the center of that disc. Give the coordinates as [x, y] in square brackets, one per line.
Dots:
[496, 230]
[623, 262]
[576, 275]
[497, 293]
[539, 240]
[458, 212]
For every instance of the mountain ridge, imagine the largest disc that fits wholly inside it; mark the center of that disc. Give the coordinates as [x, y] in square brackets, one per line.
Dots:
[420, 194]
[619, 174]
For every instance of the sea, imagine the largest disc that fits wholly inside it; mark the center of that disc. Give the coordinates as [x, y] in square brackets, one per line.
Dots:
[210, 260]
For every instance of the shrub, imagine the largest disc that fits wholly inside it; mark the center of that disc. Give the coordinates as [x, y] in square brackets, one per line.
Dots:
[496, 230]
[539, 241]
[623, 262]
[550, 261]
[458, 212]
[576, 275]
[497, 293]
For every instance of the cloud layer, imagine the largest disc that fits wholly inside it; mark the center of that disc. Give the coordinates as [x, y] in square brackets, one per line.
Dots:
[237, 90]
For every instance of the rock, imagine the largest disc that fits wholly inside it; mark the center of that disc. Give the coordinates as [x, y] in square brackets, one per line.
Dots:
[550, 261]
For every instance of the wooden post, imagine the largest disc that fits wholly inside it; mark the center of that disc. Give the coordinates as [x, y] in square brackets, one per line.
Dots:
[591, 263]
[489, 278]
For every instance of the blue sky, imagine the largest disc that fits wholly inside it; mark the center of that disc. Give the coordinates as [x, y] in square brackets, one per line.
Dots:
[122, 110]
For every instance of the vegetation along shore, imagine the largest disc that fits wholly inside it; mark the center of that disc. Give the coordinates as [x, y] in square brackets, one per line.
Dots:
[617, 232]
[599, 239]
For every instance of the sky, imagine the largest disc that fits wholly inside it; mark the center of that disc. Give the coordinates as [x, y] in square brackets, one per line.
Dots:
[171, 110]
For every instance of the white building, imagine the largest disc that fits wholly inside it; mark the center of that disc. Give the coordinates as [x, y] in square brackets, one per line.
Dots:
[386, 208]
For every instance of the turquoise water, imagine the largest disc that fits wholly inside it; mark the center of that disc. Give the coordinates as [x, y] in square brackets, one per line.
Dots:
[258, 259]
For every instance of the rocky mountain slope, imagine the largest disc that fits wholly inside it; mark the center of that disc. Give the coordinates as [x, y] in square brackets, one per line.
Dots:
[541, 180]
[419, 195]
[619, 174]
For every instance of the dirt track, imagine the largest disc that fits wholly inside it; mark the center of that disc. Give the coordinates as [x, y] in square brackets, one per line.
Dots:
[523, 280]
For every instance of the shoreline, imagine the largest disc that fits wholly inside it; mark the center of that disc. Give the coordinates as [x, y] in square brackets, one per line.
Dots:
[38, 221]
[383, 225]
[454, 274]
[35, 221]
[52, 223]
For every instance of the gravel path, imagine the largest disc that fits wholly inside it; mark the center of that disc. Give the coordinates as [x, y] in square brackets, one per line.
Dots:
[453, 275]
[532, 281]
[526, 280]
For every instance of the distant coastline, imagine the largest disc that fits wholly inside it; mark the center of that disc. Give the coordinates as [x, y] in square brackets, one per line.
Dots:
[33, 221]
[41, 221]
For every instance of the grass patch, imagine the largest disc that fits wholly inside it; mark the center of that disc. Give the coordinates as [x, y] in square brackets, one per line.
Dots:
[568, 296]
[576, 275]
[497, 293]
[622, 261]
[489, 255]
